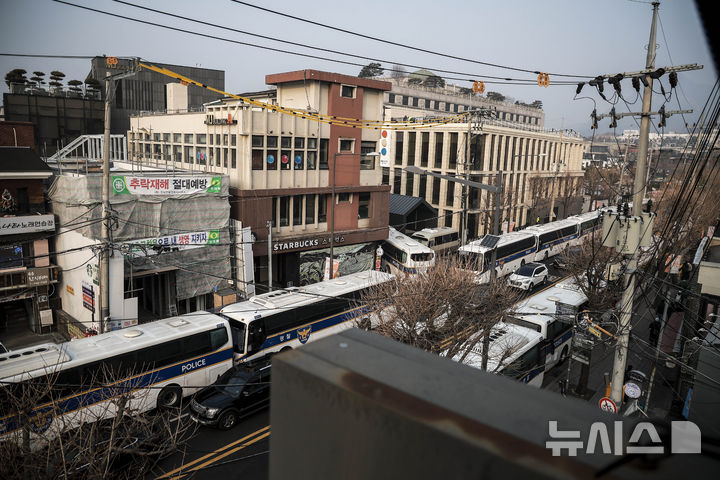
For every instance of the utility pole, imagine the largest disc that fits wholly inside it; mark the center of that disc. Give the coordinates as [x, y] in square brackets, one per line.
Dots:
[496, 221]
[105, 233]
[626, 305]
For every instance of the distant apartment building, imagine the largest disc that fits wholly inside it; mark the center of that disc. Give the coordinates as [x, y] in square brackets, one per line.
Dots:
[536, 166]
[282, 168]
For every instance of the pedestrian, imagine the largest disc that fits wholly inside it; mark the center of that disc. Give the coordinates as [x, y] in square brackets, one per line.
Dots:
[654, 331]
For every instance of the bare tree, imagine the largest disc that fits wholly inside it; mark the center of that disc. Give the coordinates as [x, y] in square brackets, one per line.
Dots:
[109, 439]
[443, 311]
[398, 72]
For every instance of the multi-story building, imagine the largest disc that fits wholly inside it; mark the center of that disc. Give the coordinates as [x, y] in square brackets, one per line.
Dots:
[149, 91]
[283, 168]
[540, 170]
[27, 273]
[169, 239]
[408, 100]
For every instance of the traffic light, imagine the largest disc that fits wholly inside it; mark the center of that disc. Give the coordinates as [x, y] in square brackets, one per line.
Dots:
[385, 147]
[478, 87]
[543, 79]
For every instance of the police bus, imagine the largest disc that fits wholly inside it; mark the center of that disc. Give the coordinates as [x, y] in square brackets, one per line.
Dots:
[153, 365]
[516, 352]
[552, 313]
[440, 239]
[402, 254]
[514, 250]
[288, 318]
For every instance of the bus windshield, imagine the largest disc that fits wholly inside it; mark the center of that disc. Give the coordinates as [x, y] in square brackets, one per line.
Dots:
[473, 260]
[422, 240]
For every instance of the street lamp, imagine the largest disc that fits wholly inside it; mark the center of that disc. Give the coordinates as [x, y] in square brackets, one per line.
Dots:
[332, 207]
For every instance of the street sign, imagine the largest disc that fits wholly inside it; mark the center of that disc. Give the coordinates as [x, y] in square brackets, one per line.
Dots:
[607, 405]
[632, 390]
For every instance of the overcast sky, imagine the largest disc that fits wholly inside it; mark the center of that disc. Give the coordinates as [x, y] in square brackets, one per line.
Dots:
[563, 37]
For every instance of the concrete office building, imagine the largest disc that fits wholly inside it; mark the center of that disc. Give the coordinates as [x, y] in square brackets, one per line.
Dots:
[537, 166]
[282, 168]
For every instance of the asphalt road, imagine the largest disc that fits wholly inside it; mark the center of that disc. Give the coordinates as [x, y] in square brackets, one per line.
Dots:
[241, 452]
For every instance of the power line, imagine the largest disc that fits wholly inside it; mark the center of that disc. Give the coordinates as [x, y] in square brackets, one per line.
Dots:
[350, 32]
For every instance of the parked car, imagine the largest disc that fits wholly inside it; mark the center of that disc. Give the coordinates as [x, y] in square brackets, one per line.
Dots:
[529, 275]
[238, 392]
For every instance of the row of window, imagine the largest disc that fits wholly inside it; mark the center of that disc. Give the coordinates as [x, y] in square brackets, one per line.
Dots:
[439, 105]
[224, 139]
[312, 209]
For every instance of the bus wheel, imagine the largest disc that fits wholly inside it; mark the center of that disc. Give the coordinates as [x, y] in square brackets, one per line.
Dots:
[227, 420]
[285, 349]
[169, 397]
[563, 355]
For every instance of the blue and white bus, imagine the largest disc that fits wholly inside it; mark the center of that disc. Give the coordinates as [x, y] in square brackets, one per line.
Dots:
[553, 237]
[152, 365]
[289, 318]
[402, 254]
[551, 312]
[514, 250]
[515, 352]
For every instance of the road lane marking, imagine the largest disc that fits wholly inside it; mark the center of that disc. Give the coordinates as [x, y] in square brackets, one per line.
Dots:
[229, 452]
[204, 457]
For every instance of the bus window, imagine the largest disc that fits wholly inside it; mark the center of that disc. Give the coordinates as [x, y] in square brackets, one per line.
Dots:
[238, 336]
[421, 257]
[256, 335]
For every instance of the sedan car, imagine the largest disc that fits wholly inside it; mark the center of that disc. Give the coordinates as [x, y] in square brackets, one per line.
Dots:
[238, 392]
[527, 276]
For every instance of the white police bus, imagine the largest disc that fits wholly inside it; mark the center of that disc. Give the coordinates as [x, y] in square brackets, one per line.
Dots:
[288, 318]
[439, 239]
[154, 365]
[402, 254]
[551, 312]
[515, 351]
[514, 250]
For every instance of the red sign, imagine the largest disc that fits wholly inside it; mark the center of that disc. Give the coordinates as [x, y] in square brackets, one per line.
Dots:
[607, 405]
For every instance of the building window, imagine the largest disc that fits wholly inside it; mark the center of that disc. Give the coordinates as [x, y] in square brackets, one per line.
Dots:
[188, 155]
[298, 160]
[177, 137]
[257, 159]
[436, 191]
[311, 160]
[411, 148]
[398, 147]
[453, 150]
[233, 160]
[450, 197]
[344, 197]
[285, 160]
[409, 184]
[310, 209]
[297, 210]
[438, 150]
[367, 162]
[257, 141]
[322, 208]
[348, 91]
[364, 205]
[188, 138]
[448, 218]
[233, 140]
[201, 138]
[424, 149]
[385, 176]
[286, 142]
[299, 142]
[397, 180]
[324, 145]
[284, 211]
[391, 98]
[346, 145]
[405, 99]
[415, 101]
